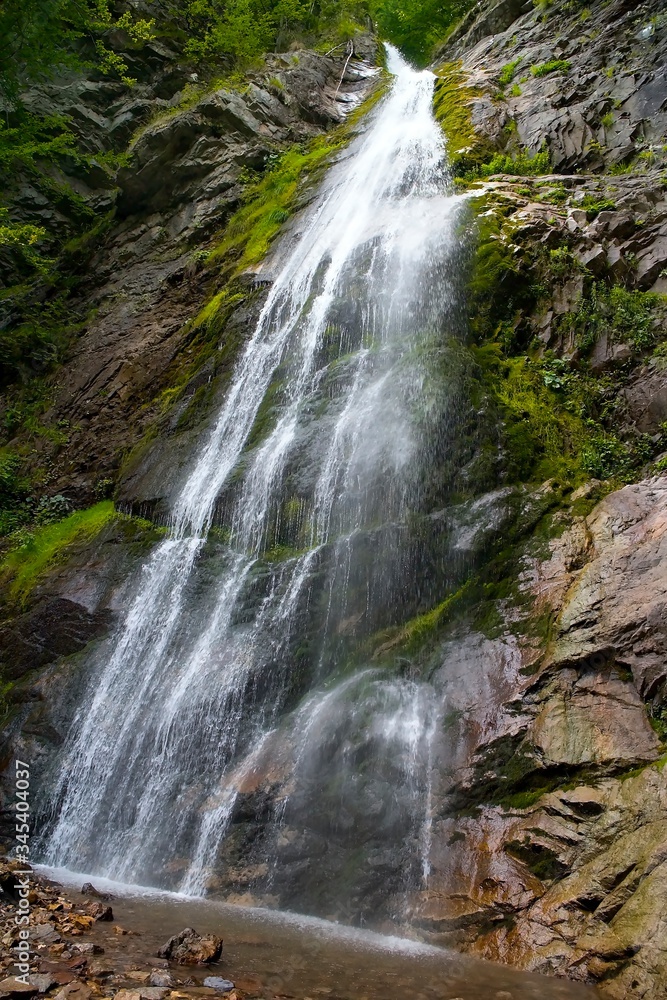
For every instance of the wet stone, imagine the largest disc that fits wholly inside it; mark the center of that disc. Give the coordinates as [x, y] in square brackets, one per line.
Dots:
[217, 983]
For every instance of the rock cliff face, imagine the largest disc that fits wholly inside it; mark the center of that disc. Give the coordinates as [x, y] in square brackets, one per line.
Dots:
[548, 843]
[552, 838]
[190, 160]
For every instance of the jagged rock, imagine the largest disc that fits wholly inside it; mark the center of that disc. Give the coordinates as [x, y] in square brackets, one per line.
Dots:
[43, 981]
[562, 111]
[594, 258]
[618, 603]
[88, 948]
[190, 948]
[606, 354]
[45, 934]
[75, 990]
[646, 398]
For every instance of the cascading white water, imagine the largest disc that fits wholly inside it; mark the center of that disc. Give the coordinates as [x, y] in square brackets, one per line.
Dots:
[206, 666]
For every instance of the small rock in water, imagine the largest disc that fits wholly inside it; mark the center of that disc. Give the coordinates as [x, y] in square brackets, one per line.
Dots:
[87, 948]
[217, 983]
[88, 889]
[190, 948]
[140, 976]
[99, 911]
[160, 977]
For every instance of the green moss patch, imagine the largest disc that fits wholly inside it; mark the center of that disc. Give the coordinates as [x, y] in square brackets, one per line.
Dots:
[508, 71]
[452, 101]
[472, 156]
[23, 567]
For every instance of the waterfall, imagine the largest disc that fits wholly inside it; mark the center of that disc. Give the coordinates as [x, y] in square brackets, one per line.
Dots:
[238, 663]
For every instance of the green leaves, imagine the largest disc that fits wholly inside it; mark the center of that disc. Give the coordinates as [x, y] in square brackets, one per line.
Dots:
[416, 26]
[39, 36]
[21, 241]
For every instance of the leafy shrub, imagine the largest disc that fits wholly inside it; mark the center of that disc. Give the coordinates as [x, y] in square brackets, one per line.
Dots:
[593, 205]
[42, 35]
[626, 316]
[519, 165]
[605, 456]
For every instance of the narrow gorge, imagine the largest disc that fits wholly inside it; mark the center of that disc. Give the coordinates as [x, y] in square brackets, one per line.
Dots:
[333, 488]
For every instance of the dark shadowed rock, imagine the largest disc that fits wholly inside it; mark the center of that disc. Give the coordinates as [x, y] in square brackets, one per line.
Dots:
[55, 627]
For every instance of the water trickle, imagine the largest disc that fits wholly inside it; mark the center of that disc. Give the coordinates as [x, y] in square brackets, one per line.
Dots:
[228, 673]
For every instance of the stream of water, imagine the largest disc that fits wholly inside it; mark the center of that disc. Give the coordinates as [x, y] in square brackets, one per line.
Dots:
[234, 700]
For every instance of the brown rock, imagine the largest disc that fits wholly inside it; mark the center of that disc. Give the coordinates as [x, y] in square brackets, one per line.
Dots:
[14, 987]
[75, 990]
[190, 948]
[99, 911]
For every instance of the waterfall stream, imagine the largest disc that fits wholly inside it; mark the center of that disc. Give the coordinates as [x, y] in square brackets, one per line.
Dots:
[235, 696]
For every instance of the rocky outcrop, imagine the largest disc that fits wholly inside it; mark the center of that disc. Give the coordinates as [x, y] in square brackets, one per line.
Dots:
[601, 102]
[549, 836]
[192, 152]
[564, 873]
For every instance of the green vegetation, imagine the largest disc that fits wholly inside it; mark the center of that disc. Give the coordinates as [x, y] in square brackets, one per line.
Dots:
[14, 488]
[624, 315]
[43, 35]
[518, 165]
[553, 66]
[23, 566]
[451, 102]
[241, 30]
[418, 26]
[268, 205]
[555, 418]
[470, 156]
[593, 205]
[541, 438]
[508, 71]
